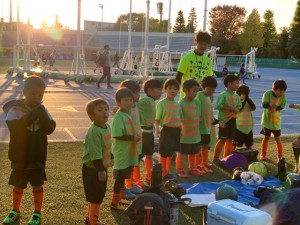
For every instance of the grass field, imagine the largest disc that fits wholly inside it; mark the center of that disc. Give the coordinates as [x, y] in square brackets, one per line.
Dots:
[64, 198]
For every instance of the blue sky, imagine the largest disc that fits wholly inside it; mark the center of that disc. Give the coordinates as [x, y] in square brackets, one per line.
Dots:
[67, 9]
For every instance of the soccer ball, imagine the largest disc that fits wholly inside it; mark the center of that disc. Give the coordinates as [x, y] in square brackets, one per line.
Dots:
[259, 168]
[226, 192]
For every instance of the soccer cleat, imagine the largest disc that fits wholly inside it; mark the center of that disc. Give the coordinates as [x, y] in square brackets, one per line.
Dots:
[87, 221]
[140, 184]
[129, 194]
[36, 219]
[13, 216]
[118, 206]
[217, 161]
[195, 172]
[125, 201]
[135, 190]
[110, 87]
[181, 173]
[206, 169]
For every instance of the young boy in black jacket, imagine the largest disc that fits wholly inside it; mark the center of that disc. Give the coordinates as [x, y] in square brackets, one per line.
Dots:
[29, 123]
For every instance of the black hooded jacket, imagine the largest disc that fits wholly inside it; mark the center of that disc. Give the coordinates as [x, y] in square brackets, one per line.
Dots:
[28, 134]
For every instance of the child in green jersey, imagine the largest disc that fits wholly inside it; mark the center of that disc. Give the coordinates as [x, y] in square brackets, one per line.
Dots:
[273, 101]
[209, 85]
[134, 185]
[244, 119]
[147, 109]
[168, 116]
[190, 132]
[96, 158]
[228, 104]
[125, 146]
[195, 64]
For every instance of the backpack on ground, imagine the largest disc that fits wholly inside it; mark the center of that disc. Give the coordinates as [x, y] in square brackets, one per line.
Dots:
[148, 209]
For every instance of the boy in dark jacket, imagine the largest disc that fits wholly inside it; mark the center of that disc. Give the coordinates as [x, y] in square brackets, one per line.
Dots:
[29, 123]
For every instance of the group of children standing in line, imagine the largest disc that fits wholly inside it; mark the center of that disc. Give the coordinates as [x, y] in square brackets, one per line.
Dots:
[186, 125]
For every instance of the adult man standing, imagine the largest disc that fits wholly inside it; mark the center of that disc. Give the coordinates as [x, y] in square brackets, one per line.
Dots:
[105, 52]
[195, 65]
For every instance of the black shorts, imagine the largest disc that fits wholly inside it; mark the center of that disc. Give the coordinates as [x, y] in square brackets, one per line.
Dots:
[20, 178]
[106, 71]
[94, 189]
[240, 139]
[229, 131]
[267, 132]
[189, 148]
[148, 143]
[123, 173]
[169, 141]
[205, 139]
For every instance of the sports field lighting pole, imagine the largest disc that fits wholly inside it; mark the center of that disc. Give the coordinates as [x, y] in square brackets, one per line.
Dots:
[146, 54]
[101, 7]
[78, 38]
[169, 26]
[205, 15]
[129, 26]
[17, 56]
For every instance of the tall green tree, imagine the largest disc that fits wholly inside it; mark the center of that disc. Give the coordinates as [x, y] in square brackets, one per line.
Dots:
[294, 41]
[282, 45]
[226, 23]
[179, 26]
[191, 26]
[269, 35]
[252, 35]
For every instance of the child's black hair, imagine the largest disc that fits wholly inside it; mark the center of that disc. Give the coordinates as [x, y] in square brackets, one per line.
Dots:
[170, 82]
[201, 36]
[209, 81]
[279, 84]
[229, 79]
[189, 84]
[243, 89]
[242, 65]
[122, 93]
[151, 84]
[90, 106]
[131, 85]
[34, 81]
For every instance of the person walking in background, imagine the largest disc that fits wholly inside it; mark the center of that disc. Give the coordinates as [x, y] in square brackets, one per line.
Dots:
[29, 123]
[105, 54]
[224, 71]
[116, 59]
[242, 73]
[195, 64]
[273, 101]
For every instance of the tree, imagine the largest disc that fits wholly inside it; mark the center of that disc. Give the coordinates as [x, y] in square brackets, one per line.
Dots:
[252, 35]
[294, 41]
[282, 46]
[269, 33]
[226, 23]
[179, 26]
[138, 23]
[192, 21]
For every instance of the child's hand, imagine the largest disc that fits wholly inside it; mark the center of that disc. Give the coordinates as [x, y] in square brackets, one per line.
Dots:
[273, 107]
[102, 176]
[235, 110]
[137, 138]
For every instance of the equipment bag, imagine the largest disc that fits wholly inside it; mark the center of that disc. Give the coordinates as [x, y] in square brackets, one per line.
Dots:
[148, 209]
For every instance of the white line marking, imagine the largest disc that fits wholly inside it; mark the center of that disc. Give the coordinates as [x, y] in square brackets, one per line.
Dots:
[70, 133]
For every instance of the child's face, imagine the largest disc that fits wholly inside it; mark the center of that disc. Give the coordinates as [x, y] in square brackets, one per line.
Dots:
[201, 46]
[33, 96]
[191, 94]
[171, 91]
[100, 114]
[209, 91]
[136, 95]
[233, 86]
[279, 92]
[155, 93]
[243, 97]
[126, 103]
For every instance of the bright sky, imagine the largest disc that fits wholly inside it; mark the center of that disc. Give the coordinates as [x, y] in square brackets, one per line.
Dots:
[67, 9]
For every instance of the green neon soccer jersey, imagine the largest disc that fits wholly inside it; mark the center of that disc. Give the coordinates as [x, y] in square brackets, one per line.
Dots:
[97, 145]
[207, 114]
[168, 113]
[147, 110]
[272, 120]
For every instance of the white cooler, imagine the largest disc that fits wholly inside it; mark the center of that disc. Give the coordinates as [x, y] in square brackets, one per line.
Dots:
[229, 212]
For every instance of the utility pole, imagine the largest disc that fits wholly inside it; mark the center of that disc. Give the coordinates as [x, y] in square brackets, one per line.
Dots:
[101, 7]
[205, 15]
